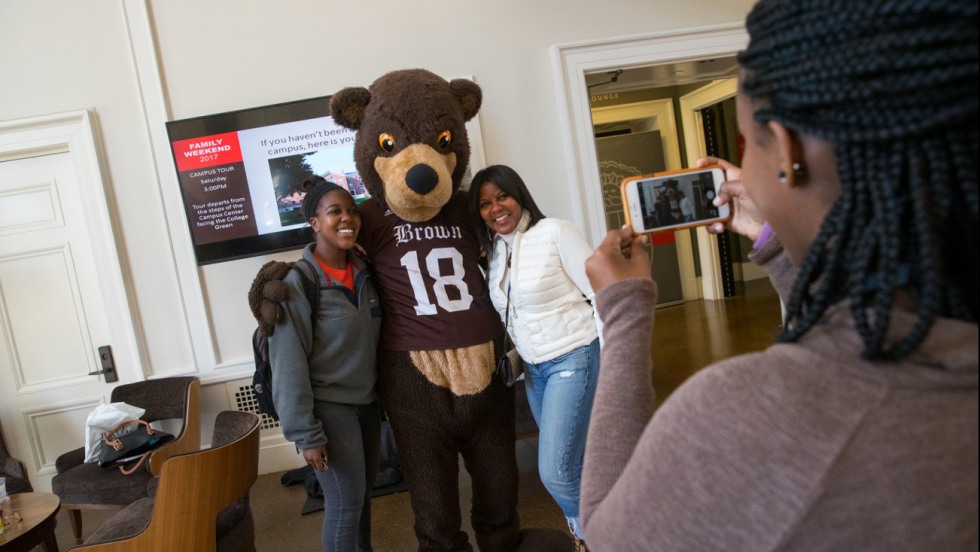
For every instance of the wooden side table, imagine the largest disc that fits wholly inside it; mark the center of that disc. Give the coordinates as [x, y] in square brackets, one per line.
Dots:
[37, 522]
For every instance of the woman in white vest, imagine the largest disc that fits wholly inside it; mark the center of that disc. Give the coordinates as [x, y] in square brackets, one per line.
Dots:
[538, 285]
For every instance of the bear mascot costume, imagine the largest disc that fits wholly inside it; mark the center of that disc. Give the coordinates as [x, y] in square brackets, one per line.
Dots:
[441, 334]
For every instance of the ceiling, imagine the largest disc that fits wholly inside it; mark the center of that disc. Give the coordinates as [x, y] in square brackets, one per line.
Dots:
[659, 76]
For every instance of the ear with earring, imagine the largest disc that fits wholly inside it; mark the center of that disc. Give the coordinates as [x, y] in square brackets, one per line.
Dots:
[799, 171]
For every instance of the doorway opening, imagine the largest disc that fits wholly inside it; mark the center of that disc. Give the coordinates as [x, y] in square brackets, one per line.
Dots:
[610, 91]
[691, 114]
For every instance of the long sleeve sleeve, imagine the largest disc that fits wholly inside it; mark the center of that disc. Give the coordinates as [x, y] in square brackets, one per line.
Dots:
[771, 256]
[625, 398]
[292, 390]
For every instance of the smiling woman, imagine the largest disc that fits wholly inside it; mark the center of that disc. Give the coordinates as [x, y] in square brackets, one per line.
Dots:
[335, 221]
[538, 286]
[324, 374]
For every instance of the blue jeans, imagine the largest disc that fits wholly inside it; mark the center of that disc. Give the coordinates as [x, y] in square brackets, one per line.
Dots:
[353, 441]
[560, 392]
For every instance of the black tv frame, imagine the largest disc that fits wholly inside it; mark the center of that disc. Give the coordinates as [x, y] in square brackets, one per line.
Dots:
[233, 121]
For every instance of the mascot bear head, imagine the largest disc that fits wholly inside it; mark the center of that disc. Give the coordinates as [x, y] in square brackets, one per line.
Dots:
[411, 148]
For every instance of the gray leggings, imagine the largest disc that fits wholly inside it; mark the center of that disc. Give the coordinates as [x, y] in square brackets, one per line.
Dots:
[353, 440]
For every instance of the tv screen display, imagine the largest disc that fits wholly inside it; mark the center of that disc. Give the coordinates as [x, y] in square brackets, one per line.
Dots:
[241, 175]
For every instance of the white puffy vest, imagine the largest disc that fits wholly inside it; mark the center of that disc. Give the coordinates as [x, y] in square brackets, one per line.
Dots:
[549, 314]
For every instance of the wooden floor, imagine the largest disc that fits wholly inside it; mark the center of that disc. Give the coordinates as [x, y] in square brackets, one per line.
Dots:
[690, 336]
[686, 338]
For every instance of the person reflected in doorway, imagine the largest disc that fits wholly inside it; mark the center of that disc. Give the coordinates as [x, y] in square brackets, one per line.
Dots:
[687, 209]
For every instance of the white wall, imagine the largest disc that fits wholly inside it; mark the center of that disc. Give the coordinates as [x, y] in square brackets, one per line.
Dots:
[220, 55]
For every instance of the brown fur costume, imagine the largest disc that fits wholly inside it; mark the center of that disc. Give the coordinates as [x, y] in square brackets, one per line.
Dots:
[265, 293]
[411, 151]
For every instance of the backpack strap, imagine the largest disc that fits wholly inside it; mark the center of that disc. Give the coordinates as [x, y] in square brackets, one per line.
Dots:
[311, 286]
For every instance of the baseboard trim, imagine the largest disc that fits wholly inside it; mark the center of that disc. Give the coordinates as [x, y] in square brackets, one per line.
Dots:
[276, 454]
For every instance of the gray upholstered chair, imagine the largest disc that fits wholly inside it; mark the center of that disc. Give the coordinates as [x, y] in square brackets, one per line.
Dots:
[199, 502]
[14, 470]
[87, 486]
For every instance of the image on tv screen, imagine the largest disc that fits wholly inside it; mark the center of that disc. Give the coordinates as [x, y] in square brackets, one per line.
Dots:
[241, 175]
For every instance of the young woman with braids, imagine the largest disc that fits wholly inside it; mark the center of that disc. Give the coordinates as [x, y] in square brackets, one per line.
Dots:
[858, 429]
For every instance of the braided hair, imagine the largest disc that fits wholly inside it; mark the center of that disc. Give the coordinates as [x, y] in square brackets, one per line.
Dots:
[893, 84]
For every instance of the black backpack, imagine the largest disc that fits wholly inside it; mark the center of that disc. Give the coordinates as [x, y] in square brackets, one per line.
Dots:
[262, 378]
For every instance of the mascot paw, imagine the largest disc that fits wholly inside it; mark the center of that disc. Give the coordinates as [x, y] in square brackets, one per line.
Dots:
[545, 540]
[270, 313]
[265, 293]
[273, 270]
[274, 290]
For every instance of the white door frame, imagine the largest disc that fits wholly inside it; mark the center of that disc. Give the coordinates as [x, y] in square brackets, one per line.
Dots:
[570, 63]
[660, 110]
[690, 104]
[709, 94]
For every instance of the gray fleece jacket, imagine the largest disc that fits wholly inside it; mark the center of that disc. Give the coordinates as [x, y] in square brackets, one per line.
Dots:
[336, 363]
[803, 446]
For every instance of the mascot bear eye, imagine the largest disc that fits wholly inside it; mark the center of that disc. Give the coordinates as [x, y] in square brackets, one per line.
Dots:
[387, 142]
[445, 137]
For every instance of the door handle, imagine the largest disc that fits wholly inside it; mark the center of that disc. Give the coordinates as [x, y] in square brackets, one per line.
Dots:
[108, 365]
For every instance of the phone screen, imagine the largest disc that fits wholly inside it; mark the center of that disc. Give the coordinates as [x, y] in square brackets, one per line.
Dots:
[672, 201]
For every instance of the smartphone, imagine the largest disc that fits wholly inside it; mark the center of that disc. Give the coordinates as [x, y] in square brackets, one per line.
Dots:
[673, 200]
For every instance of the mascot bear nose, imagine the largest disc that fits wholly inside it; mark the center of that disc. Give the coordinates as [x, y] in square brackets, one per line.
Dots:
[421, 179]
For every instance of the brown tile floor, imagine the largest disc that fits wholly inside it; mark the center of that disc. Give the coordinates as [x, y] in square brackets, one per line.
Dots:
[686, 338]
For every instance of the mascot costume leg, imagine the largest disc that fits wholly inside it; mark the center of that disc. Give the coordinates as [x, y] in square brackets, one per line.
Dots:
[441, 335]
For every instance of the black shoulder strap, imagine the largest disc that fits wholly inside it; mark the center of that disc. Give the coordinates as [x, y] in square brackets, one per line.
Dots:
[311, 286]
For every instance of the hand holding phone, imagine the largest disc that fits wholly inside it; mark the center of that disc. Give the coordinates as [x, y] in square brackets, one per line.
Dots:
[620, 256]
[746, 218]
[674, 200]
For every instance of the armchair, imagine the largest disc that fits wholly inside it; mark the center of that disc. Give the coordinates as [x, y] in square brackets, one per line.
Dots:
[87, 486]
[201, 499]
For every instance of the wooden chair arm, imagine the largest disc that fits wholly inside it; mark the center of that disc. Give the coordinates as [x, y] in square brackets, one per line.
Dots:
[189, 439]
[193, 489]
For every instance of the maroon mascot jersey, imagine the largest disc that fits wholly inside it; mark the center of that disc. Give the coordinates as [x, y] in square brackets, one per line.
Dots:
[432, 289]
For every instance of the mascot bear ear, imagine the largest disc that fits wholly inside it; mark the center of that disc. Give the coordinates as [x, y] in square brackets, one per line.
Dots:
[469, 96]
[347, 106]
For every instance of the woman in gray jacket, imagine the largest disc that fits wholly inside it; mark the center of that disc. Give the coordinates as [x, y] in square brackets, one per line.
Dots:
[538, 285]
[324, 373]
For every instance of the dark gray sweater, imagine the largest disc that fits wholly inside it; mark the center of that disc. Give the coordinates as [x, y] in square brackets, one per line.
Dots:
[337, 363]
[800, 447]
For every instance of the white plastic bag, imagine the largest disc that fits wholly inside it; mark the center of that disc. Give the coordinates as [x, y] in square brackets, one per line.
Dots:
[102, 420]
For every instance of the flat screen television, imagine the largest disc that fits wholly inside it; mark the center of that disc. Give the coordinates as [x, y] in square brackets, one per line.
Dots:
[241, 175]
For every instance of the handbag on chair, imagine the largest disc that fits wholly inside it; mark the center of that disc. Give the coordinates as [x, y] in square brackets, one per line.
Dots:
[128, 451]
